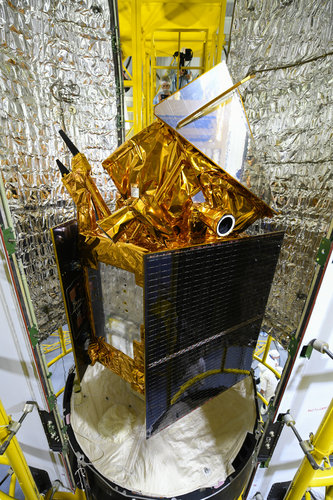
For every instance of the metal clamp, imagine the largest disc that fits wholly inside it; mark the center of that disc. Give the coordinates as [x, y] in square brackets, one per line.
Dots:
[305, 445]
[322, 347]
[319, 346]
[13, 427]
[81, 470]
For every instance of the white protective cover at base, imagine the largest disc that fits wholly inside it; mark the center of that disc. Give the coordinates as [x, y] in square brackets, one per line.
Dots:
[194, 452]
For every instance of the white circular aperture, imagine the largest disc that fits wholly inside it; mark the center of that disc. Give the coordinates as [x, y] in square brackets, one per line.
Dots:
[225, 225]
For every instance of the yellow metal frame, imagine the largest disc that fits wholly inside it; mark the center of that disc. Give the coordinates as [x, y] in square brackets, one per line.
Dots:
[306, 477]
[64, 341]
[150, 90]
[14, 458]
[145, 49]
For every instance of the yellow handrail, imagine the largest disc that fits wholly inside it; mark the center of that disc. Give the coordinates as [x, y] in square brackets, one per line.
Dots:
[322, 443]
[17, 462]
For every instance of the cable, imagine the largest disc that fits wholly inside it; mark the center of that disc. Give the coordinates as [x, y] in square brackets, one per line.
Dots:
[312, 495]
[291, 65]
[6, 477]
[90, 441]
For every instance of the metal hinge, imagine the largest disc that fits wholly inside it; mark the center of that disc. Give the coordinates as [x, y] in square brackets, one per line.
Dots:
[292, 347]
[9, 238]
[324, 249]
[269, 442]
[51, 430]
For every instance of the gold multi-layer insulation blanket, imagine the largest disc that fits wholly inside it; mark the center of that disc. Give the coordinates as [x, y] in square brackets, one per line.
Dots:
[157, 173]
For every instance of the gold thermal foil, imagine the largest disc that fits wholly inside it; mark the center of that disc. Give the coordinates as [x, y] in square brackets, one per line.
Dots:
[210, 216]
[95, 246]
[94, 249]
[159, 176]
[121, 364]
[169, 172]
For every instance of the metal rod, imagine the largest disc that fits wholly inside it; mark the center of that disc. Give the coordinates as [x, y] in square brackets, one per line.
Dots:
[200, 111]
[17, 460]
[322, 443]
[267, 348]
[328, 352]
[73, 149]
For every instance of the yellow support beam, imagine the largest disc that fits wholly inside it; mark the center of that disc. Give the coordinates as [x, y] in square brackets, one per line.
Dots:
[137, 63]
[322, 478]
[17, 461]
[329, 493]
[220, 36]
[322, 443]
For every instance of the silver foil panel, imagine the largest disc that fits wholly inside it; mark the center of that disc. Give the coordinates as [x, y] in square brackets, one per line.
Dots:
[221, 131]
[290, 113]
[122, 306]
[56, 71]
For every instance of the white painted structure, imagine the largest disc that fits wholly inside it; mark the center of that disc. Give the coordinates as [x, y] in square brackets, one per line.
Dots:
[308, 393]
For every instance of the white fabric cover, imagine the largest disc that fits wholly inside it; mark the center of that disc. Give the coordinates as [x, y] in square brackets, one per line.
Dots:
[108, 420]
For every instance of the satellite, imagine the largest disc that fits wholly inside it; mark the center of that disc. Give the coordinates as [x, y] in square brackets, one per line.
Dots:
[168, 291]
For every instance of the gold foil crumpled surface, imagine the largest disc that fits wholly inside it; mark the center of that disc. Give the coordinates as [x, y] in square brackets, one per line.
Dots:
[158, 175]
[95, 246]
[118, 362]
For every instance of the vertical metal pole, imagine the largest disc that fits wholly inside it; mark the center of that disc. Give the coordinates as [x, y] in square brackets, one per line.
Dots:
[152, 73]
[136, 64]
[178, 60]
[205, 54]
[211, 57]
[220, 38]
[61, 340]
[146, 72]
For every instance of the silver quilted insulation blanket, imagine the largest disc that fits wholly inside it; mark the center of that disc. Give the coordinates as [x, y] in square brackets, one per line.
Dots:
[56, 71]
[290, 113]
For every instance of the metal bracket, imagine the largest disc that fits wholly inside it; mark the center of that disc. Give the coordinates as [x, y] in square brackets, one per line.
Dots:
[269, 442]
[292, 347]
[9, 238]
[34, 335]
[52, 401]
[13, 427]
[51, 430]
[306, 446]
[323, 251]
[306, 351]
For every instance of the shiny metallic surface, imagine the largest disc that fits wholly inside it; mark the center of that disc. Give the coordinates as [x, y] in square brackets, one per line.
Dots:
[290, 113]
[221, 132]
[170, 173]
[123, 307]
[56, 71]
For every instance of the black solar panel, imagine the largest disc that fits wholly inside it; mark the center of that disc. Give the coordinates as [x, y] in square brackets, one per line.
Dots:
[203, 310]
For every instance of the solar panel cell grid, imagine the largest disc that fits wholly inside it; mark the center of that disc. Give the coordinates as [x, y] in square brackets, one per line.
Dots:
[203, 311]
